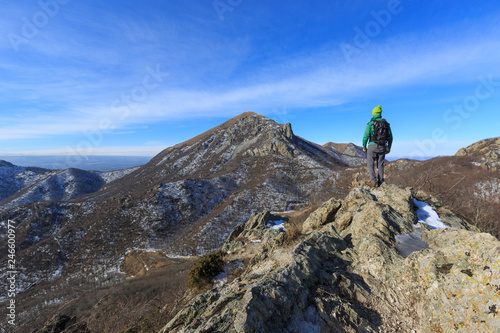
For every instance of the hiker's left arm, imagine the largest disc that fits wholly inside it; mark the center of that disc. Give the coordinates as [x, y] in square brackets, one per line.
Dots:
[390, 139]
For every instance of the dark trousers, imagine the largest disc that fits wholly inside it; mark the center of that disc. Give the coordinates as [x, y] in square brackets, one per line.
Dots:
[375, 157]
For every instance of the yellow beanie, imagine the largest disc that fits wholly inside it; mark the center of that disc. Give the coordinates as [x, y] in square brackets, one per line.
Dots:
[377, 110]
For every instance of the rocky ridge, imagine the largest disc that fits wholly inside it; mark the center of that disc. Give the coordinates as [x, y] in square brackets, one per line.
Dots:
[486, 151]
[348, 152]
[347, 275]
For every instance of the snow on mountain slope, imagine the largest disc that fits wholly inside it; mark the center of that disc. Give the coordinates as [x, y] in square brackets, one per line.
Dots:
[60, 186]
[22, 185]
[13, 178]
[109, 176]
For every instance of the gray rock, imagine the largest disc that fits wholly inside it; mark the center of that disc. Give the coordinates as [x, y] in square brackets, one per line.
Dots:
[323, 215]
[255, 229]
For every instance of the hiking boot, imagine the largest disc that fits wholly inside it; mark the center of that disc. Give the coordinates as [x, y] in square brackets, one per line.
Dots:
[370, 184]
[379, 183]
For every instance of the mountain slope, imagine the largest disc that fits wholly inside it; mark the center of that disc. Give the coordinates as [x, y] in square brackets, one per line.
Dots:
[24, 185]
[14, 178]
[348, 152]
[197, 191]
[184, 202]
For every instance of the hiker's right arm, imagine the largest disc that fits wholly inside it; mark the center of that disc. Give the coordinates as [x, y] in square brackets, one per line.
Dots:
[366, 136]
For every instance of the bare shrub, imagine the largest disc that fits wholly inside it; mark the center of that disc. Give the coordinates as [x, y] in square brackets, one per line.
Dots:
[142, 304]
[293, 231]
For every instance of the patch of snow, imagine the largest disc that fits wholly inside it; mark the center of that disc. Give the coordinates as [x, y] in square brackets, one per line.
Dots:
[221, 279]
[255, 241]
[308, 162]
[406, 244]
[53, 301]
[175, 256]
[488, 190]
[276, 225]
[309, 322]
[109, 176]
[56, 274]
[180, 162]
[426, 214]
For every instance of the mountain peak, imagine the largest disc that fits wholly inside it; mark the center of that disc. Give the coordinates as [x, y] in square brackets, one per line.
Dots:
[246, 119]
[248, 114]
[248, 134]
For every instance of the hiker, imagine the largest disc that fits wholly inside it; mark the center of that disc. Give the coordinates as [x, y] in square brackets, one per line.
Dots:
[378, 135]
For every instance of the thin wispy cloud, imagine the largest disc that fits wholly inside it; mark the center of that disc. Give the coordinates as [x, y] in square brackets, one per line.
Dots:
[326, 85]
[93, 59]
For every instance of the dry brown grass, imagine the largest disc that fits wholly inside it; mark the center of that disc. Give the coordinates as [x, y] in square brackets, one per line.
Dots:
[143, 304]
[293, 232]
[236, 270]
[454, 181]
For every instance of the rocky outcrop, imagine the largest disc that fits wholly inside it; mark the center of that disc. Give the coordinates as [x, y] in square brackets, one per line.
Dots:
[347, 275]
[323, 215]
[256, 229]
[274, 147]
[486, 151]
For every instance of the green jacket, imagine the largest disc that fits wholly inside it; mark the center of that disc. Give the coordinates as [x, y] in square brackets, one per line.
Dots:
[369, 129]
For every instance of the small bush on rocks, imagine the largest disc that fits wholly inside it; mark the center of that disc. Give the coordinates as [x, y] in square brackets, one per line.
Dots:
[209, 266]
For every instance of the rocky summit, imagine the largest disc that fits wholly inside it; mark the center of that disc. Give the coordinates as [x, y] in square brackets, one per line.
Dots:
[351, 271]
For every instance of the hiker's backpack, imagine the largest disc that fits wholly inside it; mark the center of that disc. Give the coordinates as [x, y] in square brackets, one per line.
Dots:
[381, 132]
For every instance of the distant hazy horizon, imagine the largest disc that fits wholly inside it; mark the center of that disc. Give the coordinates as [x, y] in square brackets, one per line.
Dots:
[90, 163]
[102, 163]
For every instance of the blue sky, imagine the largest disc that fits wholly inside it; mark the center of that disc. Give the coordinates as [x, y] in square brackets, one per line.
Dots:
[132, 78]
